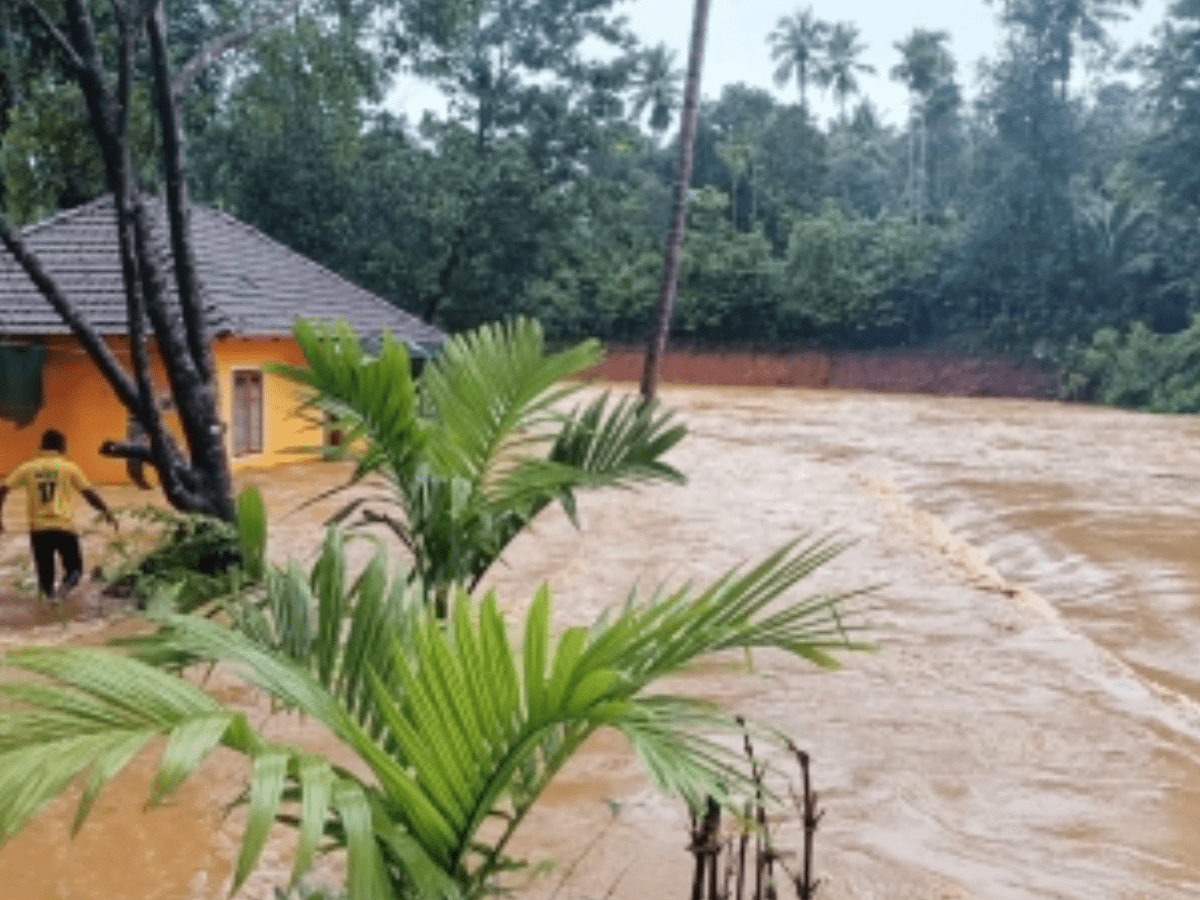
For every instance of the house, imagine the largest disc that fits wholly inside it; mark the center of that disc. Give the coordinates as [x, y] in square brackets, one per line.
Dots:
[255, 288]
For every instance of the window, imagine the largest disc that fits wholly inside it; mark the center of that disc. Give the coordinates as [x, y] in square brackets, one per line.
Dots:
[247, 413]
[333, 435]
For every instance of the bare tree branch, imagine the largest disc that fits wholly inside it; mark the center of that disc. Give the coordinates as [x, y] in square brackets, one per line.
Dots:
[219, 46]
[187, 282]
[71, 59]
[195, 397]
[91, 81]
[198, 479]
[136, 456]
[112, 370]
[83, 33]
[128, 450]
[147, 412]
[181, 372]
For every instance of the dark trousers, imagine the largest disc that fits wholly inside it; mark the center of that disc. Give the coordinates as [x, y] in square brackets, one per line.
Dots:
[49, 542]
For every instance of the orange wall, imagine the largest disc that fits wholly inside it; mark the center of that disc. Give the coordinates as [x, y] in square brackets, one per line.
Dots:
[79, 403]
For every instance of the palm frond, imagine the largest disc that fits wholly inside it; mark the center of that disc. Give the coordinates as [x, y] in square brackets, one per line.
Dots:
[485, 447]
[495, 387]
[457, 725]
[94, 711]
[370, 397]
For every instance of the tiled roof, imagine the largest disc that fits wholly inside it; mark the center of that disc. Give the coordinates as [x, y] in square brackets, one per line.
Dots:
[253, 285]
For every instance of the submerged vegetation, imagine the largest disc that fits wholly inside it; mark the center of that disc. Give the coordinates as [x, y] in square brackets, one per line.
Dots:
[186, 559]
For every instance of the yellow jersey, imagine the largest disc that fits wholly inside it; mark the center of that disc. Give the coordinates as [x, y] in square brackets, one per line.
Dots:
[51, 482]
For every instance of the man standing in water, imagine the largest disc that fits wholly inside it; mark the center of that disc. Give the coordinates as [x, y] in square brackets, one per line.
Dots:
[51, 482]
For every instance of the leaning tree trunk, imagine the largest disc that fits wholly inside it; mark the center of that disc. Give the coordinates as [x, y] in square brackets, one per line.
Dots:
[195, 478]
[669, 281]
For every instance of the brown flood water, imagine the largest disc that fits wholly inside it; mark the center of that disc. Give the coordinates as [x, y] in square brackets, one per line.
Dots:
[1030, 727]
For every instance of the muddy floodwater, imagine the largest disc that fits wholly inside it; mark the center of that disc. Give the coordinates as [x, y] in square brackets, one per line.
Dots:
[1029, 727]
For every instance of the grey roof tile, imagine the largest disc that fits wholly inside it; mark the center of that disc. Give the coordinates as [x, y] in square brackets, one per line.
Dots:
[253, 284]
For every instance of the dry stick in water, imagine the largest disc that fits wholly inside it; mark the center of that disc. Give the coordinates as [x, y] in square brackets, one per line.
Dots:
[713, 814]
[806, 887]
[706, 848]
[743, 843]
[764, 852]
[707, 844]
[726, 847]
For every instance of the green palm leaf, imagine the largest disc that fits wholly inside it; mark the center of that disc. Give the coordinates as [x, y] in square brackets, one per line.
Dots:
[479, 446]
[98, 710]
[481, 729]
[455, 724]
[371, 398]
[494, 390]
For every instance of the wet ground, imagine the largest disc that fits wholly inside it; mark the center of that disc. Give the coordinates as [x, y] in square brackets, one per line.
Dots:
[1028, 729]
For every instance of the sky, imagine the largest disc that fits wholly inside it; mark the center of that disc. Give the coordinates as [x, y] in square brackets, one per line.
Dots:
[737, 51]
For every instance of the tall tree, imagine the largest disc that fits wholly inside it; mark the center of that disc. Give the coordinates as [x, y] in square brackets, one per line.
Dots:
[927, 70]
[657, 87]
[740, 119]
[196, 478]
[1172, 150]
[737, 157]
[669, 281]
[862, 163]
[280, 148]
[1018, 255]
[528, 88]
[797, 47]
[1169, 153]
[841, 67]
[1061, 24]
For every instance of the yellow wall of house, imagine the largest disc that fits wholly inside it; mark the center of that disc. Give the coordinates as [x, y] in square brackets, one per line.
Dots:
[79, 403]
[282, 429]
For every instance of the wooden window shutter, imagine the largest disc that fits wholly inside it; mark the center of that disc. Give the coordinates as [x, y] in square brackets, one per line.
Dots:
[247, 413]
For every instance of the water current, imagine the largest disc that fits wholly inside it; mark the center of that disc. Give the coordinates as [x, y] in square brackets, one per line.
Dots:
[1028, 728]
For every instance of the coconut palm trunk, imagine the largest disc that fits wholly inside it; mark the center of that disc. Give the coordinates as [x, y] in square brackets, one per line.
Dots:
[669, 282]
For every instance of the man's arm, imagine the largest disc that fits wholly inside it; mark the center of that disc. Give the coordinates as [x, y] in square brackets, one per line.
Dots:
[98, 503]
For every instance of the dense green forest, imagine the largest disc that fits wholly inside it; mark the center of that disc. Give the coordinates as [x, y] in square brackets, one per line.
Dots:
[1060, 200]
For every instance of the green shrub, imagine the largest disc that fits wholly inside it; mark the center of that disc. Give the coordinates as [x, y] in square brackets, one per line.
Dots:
[194, 558]
[1138, 369]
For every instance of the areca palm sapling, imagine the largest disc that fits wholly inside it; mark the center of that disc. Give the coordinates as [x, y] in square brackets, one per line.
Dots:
[452, 723]
[478, 445]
